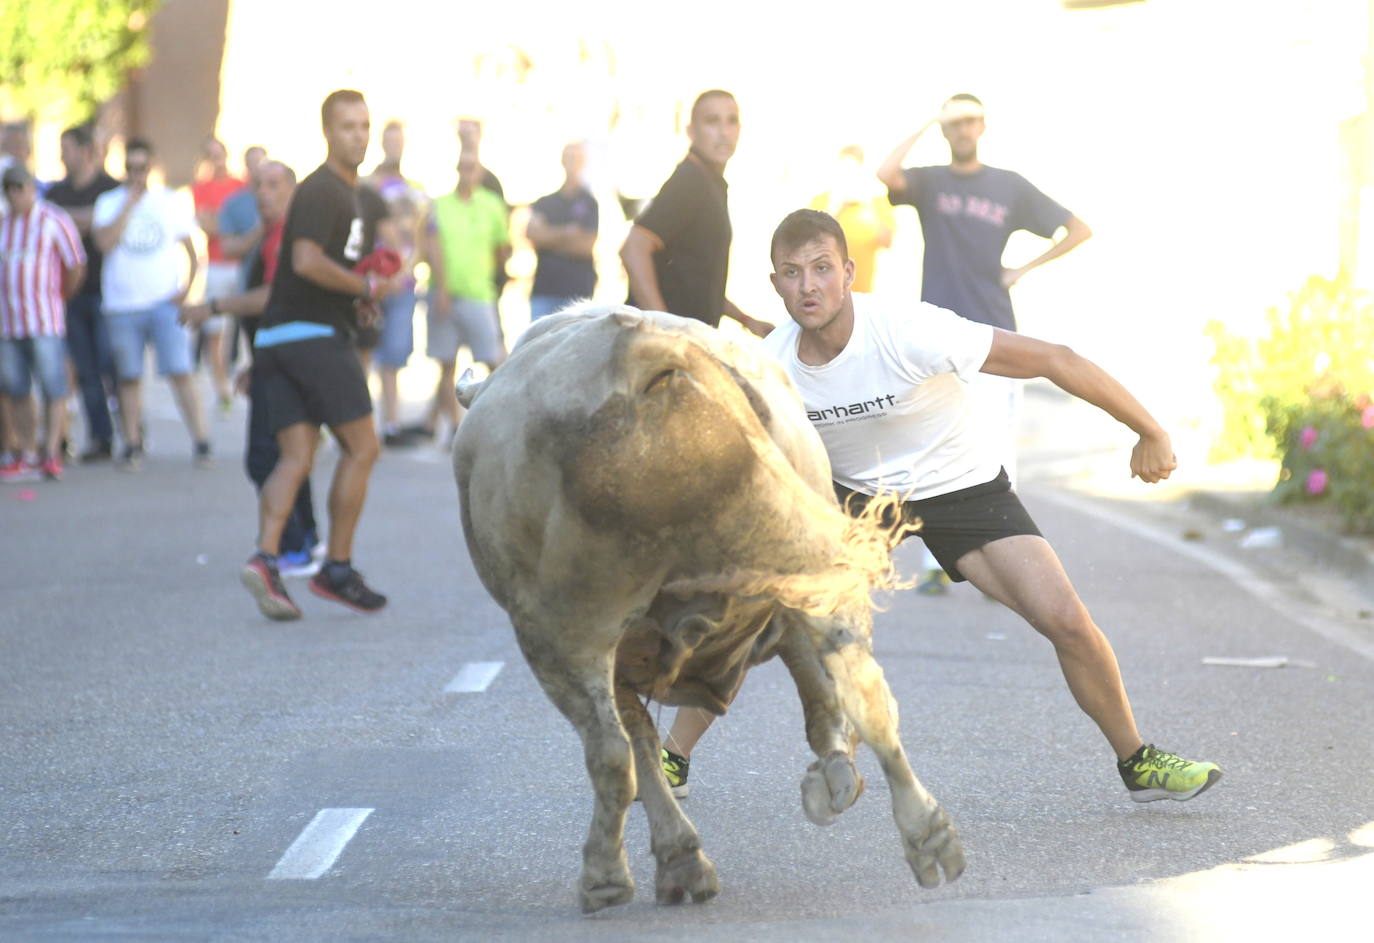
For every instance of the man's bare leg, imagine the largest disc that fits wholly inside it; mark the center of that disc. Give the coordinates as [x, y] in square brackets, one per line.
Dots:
[1024, 574]
[360, 448]
[297, 444]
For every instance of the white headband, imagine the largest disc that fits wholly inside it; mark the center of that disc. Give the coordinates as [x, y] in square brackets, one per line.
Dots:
[957, 108]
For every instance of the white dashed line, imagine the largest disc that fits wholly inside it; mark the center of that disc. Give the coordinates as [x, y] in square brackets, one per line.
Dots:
[474, 677]
[319, 846]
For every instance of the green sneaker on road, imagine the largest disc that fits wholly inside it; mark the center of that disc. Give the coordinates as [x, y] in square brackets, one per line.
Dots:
[1152, 774]
[675, 768]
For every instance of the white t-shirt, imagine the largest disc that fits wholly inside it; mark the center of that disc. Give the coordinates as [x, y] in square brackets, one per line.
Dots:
[146, 268]
[892, 408]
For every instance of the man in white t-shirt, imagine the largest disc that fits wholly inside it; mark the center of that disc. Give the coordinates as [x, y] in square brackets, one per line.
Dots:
[886, 389]
[143, 231]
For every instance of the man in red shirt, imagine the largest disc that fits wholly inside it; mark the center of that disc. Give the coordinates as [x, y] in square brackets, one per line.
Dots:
[42, 264]
[273, 185]
[221, 272]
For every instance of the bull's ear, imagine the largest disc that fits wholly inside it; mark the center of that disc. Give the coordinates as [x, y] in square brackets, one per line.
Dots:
[756, 401]
[468, 387]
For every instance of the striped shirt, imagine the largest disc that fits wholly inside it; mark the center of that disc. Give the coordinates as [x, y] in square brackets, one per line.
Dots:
[34, 250]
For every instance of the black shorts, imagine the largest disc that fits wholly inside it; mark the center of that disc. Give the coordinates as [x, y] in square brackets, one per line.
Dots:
[318, 380]
[955, 523]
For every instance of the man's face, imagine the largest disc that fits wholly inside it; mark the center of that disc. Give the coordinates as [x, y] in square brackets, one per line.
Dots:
[137, 163]
[393, 144]
[74, 157]
[273, 189]
[252, 160]
[813, 281]
[469, 169]
[215, 154]
[14, 140]
[469, 133]
[21, 197]
[347, 132]
[574, 159]
[962, 135]
[714, 130]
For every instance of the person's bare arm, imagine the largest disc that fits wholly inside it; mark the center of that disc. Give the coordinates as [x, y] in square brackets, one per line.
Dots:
[71, 279]
[107, 237]
[569, 239]
[1022, 357]
[752, 325]
[208, 221]
[1075, 232]
[248, 304]
[180, 298]
[638, 252]
[82, 216]
[238, 246]
[890, 170]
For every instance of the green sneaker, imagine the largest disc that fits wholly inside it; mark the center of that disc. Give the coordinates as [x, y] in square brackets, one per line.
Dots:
[934, 582]
[675, 768]
[1152, 774]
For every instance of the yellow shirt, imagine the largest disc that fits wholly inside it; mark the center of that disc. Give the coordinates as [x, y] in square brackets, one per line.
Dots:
[866, 225]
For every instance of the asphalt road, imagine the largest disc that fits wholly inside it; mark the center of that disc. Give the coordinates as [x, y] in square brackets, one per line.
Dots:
[164, 750]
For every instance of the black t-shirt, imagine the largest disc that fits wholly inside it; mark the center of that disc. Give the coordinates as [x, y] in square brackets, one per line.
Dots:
[69, 196]
[690, 215]
[342, 220]
[558, 274]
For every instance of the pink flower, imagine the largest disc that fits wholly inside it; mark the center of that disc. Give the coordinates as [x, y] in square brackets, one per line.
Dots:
[1308, 438]
[1367, 417]
[1316, 481]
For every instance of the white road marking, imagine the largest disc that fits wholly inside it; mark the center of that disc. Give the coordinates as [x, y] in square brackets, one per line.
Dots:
[1238, 573]
[319, 846]
[474, 677]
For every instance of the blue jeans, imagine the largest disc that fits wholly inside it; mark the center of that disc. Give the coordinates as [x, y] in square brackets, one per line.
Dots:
[26, 359]
[398, 329]
[260, 457]
[88, 343]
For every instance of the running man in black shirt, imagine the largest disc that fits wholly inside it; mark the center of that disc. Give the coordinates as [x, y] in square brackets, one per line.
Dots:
[310, 373]
[678, 251]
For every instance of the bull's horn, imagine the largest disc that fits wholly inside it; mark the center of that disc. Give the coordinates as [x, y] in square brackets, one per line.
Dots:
[467, 388]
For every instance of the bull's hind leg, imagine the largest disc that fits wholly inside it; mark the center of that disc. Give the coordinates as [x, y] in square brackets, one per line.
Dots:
[683, 871]
[929, 839]
[579, 684]
[832, 783]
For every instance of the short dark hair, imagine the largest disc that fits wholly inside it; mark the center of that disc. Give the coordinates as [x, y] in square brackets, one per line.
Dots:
[343, 96]
[80, 135]
[286, 169]
[802, 226]
[138, 144]
[705, 96]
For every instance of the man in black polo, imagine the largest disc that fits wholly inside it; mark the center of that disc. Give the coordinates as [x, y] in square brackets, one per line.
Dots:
[310, 372]
[677, 254]
[88, 338]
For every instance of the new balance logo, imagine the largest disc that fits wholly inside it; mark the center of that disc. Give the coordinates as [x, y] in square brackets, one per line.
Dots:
[1157, 780]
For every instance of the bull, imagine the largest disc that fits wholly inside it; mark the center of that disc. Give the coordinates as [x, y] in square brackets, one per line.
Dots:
[650, 506]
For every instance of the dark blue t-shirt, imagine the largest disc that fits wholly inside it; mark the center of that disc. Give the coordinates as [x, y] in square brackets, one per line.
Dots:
[557, 274]
[967, 219]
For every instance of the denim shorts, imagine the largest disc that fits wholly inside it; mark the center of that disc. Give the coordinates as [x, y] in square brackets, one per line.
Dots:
[132, 331]
[24, 359]
[398, 329]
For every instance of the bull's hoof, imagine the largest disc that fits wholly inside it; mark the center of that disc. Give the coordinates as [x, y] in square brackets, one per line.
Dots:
[688, 875]
[939, 849]
[607, 890]
[830, 786]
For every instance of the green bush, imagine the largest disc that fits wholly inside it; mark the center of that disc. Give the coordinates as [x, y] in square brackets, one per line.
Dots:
[1302, 392]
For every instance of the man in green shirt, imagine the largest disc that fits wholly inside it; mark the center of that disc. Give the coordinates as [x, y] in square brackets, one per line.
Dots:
[468, 244]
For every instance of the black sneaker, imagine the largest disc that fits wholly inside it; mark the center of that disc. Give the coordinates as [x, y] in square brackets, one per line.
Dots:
[398, 439]
[349, 590]
[132, 458]
[261, 578]
[202, 457]
[98, 452]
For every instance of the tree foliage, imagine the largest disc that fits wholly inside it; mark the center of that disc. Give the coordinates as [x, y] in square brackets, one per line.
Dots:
[61, 59]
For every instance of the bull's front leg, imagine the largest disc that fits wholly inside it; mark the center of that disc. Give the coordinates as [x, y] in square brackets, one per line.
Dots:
[832, 783]
[930, 841]
[683, 870]
[580, 687]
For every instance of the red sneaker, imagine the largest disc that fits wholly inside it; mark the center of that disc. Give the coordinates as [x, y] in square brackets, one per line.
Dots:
[20, 470]
[52, 469]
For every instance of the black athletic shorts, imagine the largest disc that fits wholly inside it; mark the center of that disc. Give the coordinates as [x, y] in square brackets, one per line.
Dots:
[318, 380]
[955, 523]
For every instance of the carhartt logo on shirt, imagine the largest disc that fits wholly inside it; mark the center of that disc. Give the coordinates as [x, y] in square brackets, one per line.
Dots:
[865, 408]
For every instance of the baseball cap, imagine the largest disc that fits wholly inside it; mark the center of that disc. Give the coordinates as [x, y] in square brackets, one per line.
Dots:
[16, 175]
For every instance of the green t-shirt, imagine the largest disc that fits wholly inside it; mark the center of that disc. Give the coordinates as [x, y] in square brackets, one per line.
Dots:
[470, 231]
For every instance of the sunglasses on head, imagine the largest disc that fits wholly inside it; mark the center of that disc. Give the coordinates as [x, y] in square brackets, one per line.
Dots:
[136, 168]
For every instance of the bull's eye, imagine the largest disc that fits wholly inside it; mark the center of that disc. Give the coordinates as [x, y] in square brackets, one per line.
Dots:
[660, 378]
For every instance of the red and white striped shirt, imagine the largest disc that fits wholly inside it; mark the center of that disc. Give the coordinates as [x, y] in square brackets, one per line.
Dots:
[34, 250]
